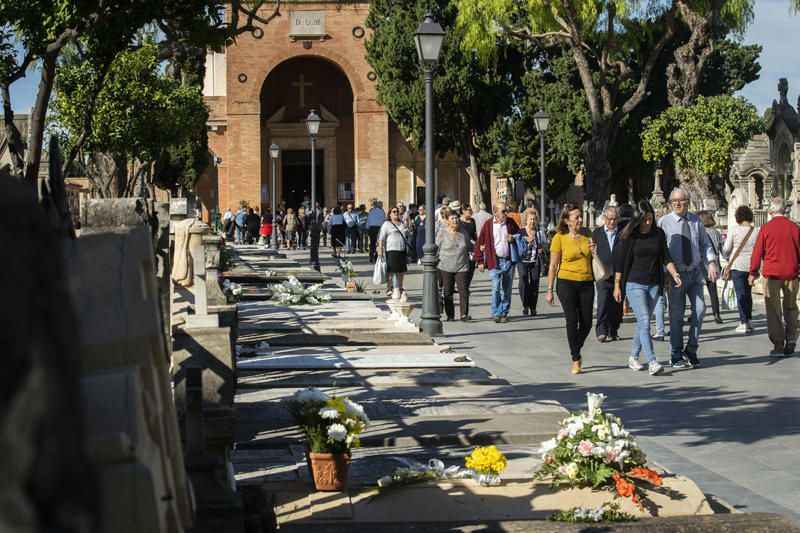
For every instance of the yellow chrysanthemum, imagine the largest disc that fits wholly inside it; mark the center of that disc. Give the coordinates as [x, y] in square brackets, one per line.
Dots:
[486, 459]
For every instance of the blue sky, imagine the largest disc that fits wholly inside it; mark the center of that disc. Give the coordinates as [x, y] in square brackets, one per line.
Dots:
[774, 27]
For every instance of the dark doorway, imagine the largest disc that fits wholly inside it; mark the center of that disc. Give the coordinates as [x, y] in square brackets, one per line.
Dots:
[297, 176]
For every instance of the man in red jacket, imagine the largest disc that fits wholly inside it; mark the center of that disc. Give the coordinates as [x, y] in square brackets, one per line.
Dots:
[493, 251]
[778, 245]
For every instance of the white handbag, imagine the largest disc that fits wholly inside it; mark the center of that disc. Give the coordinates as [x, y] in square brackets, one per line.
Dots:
[379, 273]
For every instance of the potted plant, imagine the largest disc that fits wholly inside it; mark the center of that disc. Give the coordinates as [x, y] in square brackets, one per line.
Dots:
[348, 273]
[331, 426]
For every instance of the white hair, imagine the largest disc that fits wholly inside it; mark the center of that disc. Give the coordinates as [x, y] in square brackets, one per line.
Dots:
[777, 206]
[610, 208]
[680, 189]
[482, 206]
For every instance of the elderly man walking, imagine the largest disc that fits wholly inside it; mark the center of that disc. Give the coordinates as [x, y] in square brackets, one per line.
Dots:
[609, 311]
[777, 253]
[493, 251]
[689, 248]
[481, 217]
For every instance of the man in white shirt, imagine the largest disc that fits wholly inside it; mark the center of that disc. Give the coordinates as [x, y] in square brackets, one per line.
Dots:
[493, 251]
[480, 217]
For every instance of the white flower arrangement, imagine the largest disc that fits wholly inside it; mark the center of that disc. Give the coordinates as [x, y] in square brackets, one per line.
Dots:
[330, 424]
[233, 291]
[347, 268]
[293, 292]
[594, 449]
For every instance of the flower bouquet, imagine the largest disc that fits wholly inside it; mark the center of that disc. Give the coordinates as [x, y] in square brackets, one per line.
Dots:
[331, 427]
[487, 462]
[294, 293]
[233, 291]
[594, 449]
[608, 512]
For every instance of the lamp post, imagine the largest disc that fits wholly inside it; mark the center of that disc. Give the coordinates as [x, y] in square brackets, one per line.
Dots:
[274, 153]
[312, 123]
[542, 120]
[428, 38]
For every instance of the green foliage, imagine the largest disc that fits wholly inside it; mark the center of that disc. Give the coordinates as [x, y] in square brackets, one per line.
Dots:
[730, 67]
[468, 96]
[139, 113]
[701, 138]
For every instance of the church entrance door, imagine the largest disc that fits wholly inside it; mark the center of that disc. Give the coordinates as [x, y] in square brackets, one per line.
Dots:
[296, 171]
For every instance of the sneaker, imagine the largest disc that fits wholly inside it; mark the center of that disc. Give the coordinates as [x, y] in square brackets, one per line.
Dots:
[419, 261]
[601, 338]
[749, 325]
[790, 346]
[742, 328]
[503, 318]
[776, 353]
[658, 338]
[576, 367]
[681, 364]
[634, 364]
[654, 368]
[497, 319]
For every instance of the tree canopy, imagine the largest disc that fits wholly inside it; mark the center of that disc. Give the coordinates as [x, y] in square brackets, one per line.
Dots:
[701, 138]
[469, 97]
[139, 114]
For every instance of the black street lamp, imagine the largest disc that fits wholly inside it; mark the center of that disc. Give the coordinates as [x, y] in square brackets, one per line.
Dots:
[429, 39]
[542, 121]
[312, 123]
[274, 153]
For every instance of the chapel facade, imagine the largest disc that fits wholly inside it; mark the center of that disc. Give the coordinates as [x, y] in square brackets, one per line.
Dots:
[261, 88]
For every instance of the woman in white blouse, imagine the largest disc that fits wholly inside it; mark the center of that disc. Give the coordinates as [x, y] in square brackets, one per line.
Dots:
[739, 265]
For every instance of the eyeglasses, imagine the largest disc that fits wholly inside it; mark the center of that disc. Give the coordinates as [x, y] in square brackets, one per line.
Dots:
[393, 211]
[679, 201]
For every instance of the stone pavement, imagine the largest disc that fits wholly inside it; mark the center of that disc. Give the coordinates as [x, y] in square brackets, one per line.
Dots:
[732, 425]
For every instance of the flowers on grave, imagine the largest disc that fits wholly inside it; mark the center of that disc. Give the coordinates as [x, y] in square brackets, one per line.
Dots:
[594, 449]
[346, 268]
[233, 291]
[330, 424]
[486, 460]
[413, 472]
[293, 292]
[608, 512]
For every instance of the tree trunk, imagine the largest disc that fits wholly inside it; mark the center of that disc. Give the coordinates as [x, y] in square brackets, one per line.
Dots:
[16, 147]
[470, 157]
[597, 177]
[685, 74]
[33, 156]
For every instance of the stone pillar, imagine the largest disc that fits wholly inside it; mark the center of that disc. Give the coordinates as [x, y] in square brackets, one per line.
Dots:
[657, 199]
[201, 318]
[795, 213]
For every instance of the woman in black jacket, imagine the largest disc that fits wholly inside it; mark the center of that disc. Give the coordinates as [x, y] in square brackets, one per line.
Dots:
[639, 275]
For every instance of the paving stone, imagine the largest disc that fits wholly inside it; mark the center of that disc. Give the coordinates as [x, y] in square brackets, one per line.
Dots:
[296, 379]
[358, 338]
[324, 361]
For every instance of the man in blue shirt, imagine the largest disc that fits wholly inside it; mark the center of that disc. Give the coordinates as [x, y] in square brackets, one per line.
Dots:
[239, 220]
[689, 248]
[351, 230]
[375, 219]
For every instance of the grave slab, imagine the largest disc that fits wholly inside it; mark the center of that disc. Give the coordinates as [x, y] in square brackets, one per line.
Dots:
[351, 360]
[363, 377]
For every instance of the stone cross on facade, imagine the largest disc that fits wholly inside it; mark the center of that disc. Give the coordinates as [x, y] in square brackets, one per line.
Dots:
[301, 84]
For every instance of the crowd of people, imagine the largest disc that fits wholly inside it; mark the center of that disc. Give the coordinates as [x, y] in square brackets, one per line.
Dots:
[656, 262]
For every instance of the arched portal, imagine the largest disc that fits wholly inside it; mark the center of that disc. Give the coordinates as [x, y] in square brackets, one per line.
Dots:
[290, 91]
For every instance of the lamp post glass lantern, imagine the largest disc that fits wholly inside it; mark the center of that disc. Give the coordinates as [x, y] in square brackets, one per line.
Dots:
[428, 39]
[542, 121]
[312, 123]
[274, 153]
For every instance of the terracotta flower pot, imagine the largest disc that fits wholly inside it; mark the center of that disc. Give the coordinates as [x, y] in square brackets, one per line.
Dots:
[350, 285]
[329, 470]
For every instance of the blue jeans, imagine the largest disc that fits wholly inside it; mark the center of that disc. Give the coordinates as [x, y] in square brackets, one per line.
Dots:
[744, 296]
[692, 284]
[643, 300]
[239, 234]
[502, 280]
[661, 304]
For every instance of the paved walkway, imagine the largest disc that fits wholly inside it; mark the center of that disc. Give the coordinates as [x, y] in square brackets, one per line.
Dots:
[732, 425]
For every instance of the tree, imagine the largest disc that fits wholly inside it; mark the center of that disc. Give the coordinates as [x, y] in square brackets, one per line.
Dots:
[701, 138]
[140, 117]
[707, 20]
[43, 28]
[469, 97]
[605, 43]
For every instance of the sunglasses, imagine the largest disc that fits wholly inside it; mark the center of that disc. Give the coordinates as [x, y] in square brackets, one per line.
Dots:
[394, 211]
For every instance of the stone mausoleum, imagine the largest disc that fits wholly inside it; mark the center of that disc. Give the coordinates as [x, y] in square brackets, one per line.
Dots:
[261, 88]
